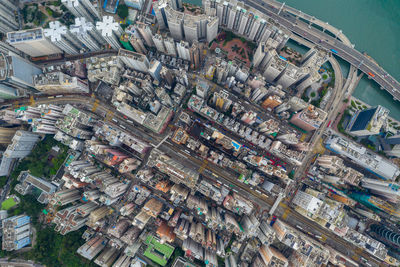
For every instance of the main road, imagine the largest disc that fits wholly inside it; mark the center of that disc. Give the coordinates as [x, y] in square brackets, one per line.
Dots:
[344, 51]
[212, 171]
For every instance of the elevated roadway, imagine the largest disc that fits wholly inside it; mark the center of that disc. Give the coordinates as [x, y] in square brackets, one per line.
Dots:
[213, 172]
[343, 50]
[312, 20]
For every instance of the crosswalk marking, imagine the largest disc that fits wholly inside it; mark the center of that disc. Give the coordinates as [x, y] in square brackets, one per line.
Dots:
[323, 238]
[203, 166]
[95, 105]
[109, 115]
[285, 214]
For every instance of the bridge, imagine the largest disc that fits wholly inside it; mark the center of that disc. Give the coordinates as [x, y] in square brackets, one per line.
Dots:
[288, 17]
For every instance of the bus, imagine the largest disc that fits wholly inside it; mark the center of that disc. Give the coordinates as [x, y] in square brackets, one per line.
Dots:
[329, 123]
[334, 51]
[371, 74]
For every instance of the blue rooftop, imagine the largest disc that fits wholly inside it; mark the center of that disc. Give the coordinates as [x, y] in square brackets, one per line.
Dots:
[22, 221]
[23, 242]
[362, 120]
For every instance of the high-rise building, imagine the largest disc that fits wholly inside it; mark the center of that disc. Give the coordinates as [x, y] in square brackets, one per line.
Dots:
[146, 33]
[92, 247]
[86, 32]
[307, 202]
[195, 55]
[73, 218]
[5, 48]
[7, 92]
[138, 4]
[167, 75]
[176, 4]
[110, 30]
[272, 257]
[16, 72]
[212, 29]
[368, 121]
[170, 46]
[58, 82]
[134, 60]
[175, 23]
[8, 21]
[386, 233]
[16, 232]
[32, 42]
[394, 151]
[296, 104]
[64, 197]
[159, 43]
[107, 256]
[82, 8]
[337, 172]
[155, 70]
[289, 77]
[158, 8]
[388, 190]
[183, 50]
[372, 162]
[21, 146]
[274, 68]
[309, 119]
[62, 38]
[138, 45]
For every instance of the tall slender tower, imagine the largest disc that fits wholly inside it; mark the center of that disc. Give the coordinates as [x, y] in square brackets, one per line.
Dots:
[8, 21]
[110, 30]
[86, 32]
[62, 38]
[82, 8]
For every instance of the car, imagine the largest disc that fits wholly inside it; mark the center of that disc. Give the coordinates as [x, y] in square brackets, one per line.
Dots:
[273, 220]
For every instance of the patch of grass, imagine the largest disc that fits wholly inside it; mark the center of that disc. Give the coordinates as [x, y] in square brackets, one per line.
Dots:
[8, 204]
[324, 76]
[353, 104]
[312, 94]
[49, 11]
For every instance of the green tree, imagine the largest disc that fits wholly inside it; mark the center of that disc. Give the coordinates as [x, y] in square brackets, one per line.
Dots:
[122, 11]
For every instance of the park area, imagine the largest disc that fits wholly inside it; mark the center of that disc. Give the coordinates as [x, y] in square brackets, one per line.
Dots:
[40, 14]
[8, 203]
[234, 47]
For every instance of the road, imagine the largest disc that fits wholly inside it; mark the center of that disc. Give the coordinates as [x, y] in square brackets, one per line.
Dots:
[344, 51]
[18, 263]
[215, 172]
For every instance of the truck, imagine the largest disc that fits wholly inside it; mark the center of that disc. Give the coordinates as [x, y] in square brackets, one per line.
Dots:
[334, 51]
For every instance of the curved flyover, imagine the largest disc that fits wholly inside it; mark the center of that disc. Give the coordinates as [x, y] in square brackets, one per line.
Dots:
[347, 53]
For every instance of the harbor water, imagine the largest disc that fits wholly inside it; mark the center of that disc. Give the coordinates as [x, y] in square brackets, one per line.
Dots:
[373, 26]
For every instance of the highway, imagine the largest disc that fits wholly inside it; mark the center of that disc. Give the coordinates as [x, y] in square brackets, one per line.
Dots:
[212, 172]
[344, 51]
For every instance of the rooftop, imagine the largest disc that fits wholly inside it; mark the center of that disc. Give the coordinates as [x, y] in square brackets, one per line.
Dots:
[372, 162]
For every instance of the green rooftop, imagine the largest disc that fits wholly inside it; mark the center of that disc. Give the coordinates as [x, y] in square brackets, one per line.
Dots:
[8, 204]
[157, 252]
